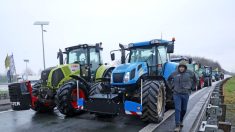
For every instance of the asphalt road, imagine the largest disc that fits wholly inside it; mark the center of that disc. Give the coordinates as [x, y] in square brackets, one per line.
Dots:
[28, 121]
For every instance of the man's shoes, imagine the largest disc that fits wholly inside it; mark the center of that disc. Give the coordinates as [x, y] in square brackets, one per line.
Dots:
[181, 125]
[177, 128]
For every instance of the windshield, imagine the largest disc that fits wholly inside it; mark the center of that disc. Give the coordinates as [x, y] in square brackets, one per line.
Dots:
[78, 56]
[142, 54]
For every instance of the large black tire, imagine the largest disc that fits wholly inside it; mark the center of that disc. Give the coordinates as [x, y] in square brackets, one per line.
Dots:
[154, 101]
[207, 82]
[210, 82]
[95, 89]
[66, 100]
[169, 96]
[40, 107]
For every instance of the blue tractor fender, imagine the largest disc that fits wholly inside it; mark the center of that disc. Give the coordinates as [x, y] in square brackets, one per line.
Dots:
[169, 68]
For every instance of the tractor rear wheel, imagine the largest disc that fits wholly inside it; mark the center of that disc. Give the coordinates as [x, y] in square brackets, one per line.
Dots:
[39, 106]
[154, 101]
[66, 98]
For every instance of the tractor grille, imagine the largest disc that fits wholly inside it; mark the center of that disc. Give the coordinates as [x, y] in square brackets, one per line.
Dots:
[118, 77]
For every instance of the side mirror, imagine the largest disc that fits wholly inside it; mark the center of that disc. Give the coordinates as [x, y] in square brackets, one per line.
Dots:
[112, 56]
[97, 47]
[60, 56]
[170, 48]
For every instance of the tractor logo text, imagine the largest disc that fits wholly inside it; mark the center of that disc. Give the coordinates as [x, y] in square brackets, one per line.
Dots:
[15, 103]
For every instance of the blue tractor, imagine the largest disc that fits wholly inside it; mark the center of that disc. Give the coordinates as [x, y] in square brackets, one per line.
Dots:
[138, 86]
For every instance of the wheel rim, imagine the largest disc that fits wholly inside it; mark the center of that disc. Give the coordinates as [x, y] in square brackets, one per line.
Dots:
[74, 97]
[159, 101]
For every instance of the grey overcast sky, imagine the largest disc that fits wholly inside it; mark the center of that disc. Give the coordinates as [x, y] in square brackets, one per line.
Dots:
[201, 27]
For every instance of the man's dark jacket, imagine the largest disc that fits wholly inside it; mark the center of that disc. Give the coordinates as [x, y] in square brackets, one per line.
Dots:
[182, 82]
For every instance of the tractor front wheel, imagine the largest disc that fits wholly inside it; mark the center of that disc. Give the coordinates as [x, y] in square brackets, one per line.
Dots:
[154, 101]
[66, 98]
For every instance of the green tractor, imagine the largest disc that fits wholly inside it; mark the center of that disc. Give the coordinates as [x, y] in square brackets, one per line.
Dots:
[56, 86]
[207, 74]
[215, 75]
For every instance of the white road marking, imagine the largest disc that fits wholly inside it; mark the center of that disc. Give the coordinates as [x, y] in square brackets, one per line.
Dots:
[152, 126]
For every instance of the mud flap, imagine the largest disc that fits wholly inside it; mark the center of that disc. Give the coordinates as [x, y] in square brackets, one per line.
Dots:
[20, 97]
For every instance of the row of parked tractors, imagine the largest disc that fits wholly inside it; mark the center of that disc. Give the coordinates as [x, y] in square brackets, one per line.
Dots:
[204, 74]
[82, 82]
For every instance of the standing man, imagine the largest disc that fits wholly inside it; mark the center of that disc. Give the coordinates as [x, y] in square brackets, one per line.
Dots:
[182, 82]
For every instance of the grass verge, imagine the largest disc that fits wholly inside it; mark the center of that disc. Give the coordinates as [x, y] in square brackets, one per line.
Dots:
[229, 100]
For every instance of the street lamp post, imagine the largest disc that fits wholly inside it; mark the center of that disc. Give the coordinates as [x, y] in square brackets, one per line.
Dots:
[26, 71]
[42, 23]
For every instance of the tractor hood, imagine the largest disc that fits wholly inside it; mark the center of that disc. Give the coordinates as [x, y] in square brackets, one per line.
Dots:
[129, 73]
[61, 74]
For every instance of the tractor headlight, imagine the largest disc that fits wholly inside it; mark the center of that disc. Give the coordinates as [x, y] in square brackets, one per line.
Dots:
[127, 77]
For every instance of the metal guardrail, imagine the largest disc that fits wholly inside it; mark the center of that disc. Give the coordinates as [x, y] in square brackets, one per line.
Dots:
[211, 116]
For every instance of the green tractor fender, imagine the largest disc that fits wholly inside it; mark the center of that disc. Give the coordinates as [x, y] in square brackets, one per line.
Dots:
[103, 71]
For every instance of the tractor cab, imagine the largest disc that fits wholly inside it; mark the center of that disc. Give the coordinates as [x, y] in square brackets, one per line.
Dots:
[87, 56]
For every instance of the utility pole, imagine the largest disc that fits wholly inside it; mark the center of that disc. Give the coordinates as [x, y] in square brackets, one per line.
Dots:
[42, 23]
